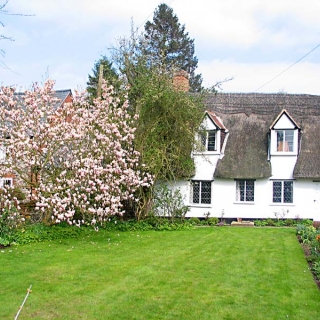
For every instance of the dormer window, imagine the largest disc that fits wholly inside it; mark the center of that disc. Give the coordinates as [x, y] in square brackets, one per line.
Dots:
[211, 134]
[285, 140]
[284, 134]
[208, 140]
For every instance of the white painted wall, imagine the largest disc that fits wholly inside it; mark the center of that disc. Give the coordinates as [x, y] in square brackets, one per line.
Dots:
[304, 206]
[282, 166]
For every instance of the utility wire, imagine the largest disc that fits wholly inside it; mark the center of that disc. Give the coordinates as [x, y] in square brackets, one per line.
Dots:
[287, 68]
[151, 14]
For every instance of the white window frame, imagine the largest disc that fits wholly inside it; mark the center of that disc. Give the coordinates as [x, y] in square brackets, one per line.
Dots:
[283, 192]
[286, 144]
[205, 140]
[243, 192]
[200, 197]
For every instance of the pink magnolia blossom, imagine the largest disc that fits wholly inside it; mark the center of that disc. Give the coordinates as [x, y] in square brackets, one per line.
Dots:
[74, 157]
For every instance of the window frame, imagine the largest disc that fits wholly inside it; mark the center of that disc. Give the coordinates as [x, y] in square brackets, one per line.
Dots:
[205, 140]
[243, 196]
[285, 142]
[200, 197]
[284, 185]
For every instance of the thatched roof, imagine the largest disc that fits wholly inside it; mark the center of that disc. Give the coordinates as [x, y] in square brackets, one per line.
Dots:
[248, 117]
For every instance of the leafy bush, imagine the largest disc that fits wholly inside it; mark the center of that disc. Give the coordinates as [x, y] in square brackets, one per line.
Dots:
[316, 269]
[307, 233]
[40, 232]
[194, 221]
[279, 223]
[289, 222]
[10, 220]
[270, 222]
[306, 222]
[260, 223]
[169, 203]
[213, 221]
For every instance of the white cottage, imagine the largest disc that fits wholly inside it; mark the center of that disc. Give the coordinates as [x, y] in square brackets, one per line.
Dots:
[261, 158]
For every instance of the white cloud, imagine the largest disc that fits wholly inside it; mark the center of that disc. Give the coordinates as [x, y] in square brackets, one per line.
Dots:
[252, 40]
[249, 77]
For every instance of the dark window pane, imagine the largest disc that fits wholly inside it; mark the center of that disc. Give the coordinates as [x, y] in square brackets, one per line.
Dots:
[287, 192]
[196, 192]
[203, 138]
[249, 190]
[277, 191]
[241, 190]
[205, 192]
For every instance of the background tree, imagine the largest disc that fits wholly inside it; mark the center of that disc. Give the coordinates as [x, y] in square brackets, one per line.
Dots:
[168, 119]
[165, 41]
[109, 74]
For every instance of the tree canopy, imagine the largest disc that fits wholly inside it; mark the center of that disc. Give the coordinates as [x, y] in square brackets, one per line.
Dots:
[165, 41]
[109, 73]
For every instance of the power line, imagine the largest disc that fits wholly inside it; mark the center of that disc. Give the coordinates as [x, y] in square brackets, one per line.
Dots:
[151, 14]
[288, 68]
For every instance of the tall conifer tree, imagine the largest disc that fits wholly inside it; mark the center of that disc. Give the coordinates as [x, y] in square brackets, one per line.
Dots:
[166, 42]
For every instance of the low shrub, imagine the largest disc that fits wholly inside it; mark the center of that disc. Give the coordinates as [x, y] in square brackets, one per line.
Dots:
[213, 221]
[306, 222]
[10, 221]
[260, 223]
[316, 269]
[270, 222]
[194, 221]
[279, 223]
[289, 222]
[39, 232]
[306, 233]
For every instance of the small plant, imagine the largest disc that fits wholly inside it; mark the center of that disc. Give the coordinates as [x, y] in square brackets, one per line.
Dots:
[10, 220]
[169, 203]
[270, 222]
[194, 221]
[316, 269]
[306, 222]
[213, 221]
[222, 215]
[281, 215]
[307, 233]
[206, 215]
[289, 222]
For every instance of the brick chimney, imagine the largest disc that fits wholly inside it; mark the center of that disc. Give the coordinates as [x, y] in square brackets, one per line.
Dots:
[181, 80]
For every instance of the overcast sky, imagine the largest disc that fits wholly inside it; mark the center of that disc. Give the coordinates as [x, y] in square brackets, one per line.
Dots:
[252, 41]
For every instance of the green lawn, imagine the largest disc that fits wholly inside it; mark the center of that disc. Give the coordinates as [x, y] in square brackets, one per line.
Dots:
[206, 273]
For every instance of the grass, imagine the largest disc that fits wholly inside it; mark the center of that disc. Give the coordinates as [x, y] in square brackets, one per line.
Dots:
[206, 273]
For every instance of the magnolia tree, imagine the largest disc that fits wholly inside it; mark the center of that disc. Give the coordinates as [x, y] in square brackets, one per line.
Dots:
[74, 160]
